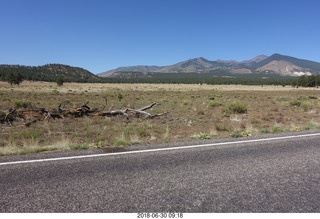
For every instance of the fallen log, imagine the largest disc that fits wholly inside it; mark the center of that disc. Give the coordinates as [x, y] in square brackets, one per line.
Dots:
[115, 113]
[8, 116]
[26, 115]
[30, 116]
[76, 112]
[53, 115]
[137, 113]
[148, 107]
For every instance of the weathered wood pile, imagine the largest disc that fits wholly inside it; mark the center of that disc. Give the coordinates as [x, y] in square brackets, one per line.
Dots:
[29, 116]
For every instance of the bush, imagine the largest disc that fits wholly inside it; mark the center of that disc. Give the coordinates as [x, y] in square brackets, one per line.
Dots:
[22, 104]
[236, 134]
[120, 97]
[2, 116]
[236, 108]
[277, 129]
[201, 136]
[296, 103]
[121, 141]
[223, 127]
[14, 78]
[60, 81]
[214, 103]
[312, 97]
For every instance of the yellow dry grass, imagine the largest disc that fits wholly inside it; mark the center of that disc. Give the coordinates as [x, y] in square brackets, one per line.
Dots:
[98, 87]
[194, 111]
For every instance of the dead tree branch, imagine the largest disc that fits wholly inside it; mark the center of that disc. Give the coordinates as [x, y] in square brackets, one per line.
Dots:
[30, 116]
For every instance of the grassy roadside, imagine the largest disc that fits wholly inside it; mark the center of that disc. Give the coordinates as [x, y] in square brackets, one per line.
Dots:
[194, 112]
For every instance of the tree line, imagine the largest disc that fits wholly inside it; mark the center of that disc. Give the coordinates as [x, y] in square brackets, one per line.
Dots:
[15, 74]
[307, 81]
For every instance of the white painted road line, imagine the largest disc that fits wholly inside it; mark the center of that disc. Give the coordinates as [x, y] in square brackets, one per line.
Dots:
[160, 149]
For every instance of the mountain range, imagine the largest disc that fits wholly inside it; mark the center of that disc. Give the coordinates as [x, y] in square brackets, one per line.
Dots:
[274, 64]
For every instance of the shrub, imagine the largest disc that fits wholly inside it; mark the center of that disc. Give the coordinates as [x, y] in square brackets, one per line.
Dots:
[236, 108]
[30, 133]
[60, 81]
[306, 105]
[2, 115]
[214, 103]
[223, 127]
[312, 97]
[236, 134]
[120, 97]
[142, 131]
[22, 104]
[295, 103]
[239, 134]
[121, 141]
[246, 134]
[296, 129]
[14, 78]
[201, 136]
[264, 131]
[312, 125]
[79, 146]
[186, 102]
[277, 129]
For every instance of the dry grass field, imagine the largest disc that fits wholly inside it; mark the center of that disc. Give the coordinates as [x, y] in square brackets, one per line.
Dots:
[194, 112]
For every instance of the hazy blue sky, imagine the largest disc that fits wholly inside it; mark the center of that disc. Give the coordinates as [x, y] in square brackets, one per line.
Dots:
[100, 35]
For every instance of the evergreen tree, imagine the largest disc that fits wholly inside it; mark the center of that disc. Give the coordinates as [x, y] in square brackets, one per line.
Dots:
[60, 81]
[14, 78]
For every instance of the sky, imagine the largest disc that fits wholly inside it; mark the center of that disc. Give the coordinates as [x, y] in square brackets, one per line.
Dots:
[101, 35]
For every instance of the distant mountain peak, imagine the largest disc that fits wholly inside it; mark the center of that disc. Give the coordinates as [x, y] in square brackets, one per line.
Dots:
[202, 59]
[276, 63]
[255, 60]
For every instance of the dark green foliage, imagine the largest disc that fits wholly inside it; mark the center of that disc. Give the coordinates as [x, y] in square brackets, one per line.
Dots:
[214, 103]
[50, 73]
[215, 77]
[2, 116]
[120, 97]
[14, 78]
[296, 103]
[14, 74]
[60, 81]
[308, 81]
[236, 107]
[22, 104]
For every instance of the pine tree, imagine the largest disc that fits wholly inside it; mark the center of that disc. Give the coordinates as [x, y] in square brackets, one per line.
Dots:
[60, 81]
[14, 78]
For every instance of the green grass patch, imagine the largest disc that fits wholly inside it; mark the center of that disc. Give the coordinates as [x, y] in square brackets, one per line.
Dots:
[312, 126]
[214, 103]
[80, 146]
[277, 129]
[296, 103]
[22, 104]
[121, 141]
[25, 150]
[201, 135]
[236, 107]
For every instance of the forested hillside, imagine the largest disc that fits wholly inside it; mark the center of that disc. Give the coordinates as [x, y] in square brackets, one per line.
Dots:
[15, 74]
[49, 72]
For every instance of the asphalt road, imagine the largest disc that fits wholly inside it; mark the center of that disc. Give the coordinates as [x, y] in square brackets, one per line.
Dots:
[275, 175]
